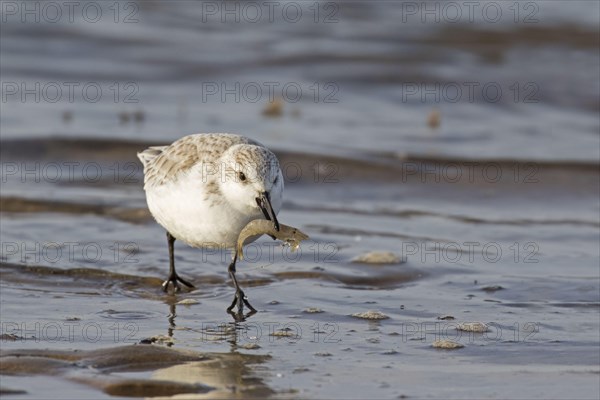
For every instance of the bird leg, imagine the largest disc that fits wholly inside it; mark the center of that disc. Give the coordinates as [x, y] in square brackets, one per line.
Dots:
[173, 277]
[239, 298]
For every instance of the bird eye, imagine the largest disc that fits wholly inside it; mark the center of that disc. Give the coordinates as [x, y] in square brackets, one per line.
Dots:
[242, 177]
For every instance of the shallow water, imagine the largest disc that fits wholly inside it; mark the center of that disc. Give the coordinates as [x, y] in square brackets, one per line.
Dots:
[93, 281]
[495, 215]
[364, 75]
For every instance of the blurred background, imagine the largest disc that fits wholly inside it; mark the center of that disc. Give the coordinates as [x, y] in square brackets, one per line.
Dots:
[351, 75]
[458, 140]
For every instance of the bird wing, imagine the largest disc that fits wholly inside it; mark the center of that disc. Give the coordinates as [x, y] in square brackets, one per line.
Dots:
[164, 164]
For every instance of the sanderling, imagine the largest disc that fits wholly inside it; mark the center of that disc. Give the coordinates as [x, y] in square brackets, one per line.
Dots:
[204, 188]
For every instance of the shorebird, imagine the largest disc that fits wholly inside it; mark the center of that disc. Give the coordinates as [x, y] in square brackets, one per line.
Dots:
[204, 188]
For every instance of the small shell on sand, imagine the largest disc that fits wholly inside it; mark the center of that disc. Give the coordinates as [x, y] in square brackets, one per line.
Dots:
[250, 346]
[377, 257]
[188, 302]
[313, 310]
[283, 333]
[372, 315]
[447, 344]
[289, 234]
[478, 327]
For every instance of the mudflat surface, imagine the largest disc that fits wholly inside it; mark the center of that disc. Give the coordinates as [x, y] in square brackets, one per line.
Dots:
[417, 230]
[82, 302]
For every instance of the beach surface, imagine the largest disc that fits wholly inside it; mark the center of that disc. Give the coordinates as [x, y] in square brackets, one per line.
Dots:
[475, 222]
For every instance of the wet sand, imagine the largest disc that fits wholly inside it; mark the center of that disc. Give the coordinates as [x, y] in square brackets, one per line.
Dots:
[453, 247]
[101, 325]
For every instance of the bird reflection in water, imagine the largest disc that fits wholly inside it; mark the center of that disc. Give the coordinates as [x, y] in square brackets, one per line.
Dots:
[232, 374]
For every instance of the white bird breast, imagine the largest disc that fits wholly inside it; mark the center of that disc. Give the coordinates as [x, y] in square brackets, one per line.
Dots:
[180, 207]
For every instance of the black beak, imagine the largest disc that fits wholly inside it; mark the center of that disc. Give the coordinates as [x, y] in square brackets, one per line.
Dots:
[264, 202]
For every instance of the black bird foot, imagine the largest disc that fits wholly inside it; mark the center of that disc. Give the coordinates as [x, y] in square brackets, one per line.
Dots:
[239, 316]
[175, 279]
[240, 299]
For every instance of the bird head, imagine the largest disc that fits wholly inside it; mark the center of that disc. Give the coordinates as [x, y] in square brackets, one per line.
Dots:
[252, 180]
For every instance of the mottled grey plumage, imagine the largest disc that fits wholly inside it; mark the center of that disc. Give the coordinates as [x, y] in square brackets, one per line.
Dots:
[164, 164]
[204, 188]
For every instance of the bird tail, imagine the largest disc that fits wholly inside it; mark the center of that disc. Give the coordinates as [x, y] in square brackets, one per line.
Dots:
[150, 154]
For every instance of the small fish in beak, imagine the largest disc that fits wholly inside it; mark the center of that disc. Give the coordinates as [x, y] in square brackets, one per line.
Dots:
[264, 202]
